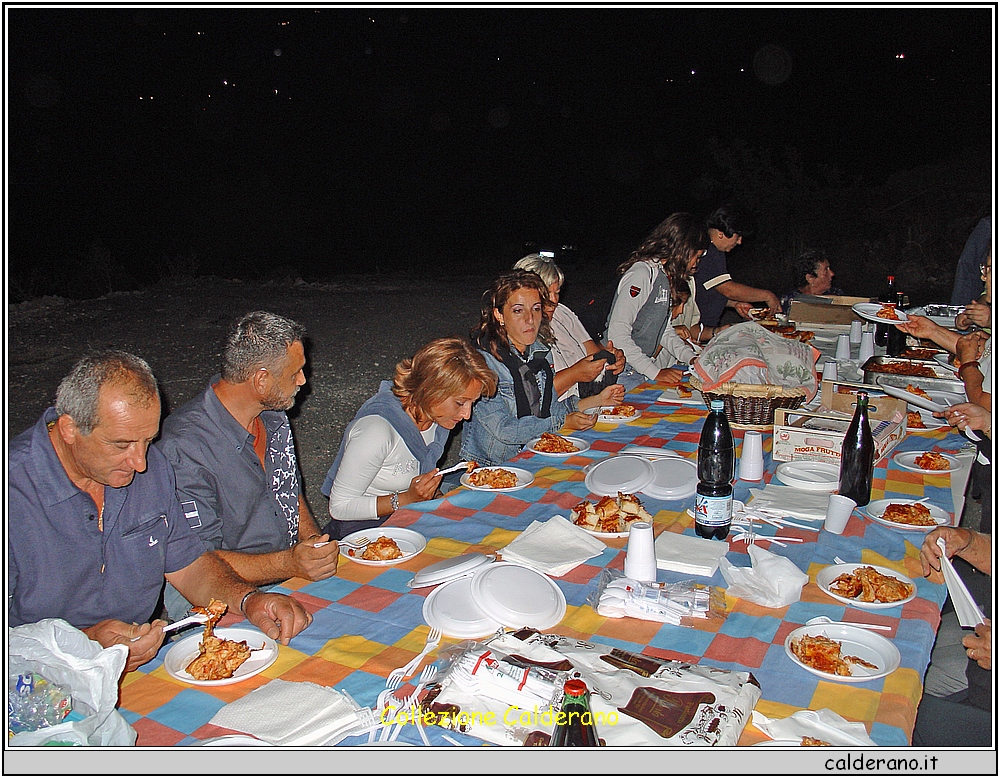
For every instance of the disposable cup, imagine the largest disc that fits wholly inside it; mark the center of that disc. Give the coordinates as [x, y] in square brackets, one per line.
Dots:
[830, 371]
[855, 332]
[838, 511]
[843, 346]
[752, 457]
[867, 349]
[640, 558]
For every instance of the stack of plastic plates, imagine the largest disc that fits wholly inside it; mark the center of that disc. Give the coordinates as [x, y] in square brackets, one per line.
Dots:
[810, 476]
[674, 478]
[622, 473]
[449, 569]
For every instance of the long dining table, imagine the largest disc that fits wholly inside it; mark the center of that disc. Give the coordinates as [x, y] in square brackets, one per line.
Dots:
[366, 621]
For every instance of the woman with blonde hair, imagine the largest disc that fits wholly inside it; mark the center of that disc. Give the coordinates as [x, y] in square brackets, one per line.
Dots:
[389, 453]
[513, 335]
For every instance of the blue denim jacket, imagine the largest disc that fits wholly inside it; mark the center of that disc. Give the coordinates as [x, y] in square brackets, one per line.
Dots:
[494, 434]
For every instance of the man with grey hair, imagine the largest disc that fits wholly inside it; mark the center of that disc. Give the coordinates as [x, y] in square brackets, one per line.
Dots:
[233, 454]
[94, 525]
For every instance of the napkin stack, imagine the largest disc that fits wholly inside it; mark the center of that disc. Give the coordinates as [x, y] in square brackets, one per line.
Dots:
[688, 554]
[966, 609]
[821, 724]
[284, 713]
[553, 547]
[797, 503]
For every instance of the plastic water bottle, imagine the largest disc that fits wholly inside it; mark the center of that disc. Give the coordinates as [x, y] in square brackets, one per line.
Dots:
[713, 507]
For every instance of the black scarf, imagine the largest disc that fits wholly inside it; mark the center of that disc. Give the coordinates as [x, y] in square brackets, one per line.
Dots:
[529, 400]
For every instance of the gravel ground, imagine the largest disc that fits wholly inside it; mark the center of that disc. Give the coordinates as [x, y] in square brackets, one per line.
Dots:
[358, 329]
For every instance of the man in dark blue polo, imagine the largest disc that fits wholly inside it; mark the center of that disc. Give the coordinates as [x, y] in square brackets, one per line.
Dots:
[94, 525]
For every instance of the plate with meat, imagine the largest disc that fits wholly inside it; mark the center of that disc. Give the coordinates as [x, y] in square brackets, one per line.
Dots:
[869, 587]
[682, 394]
[923, 422]
[921, 398]
[907, 515]
[928, 462]
[498, 479]
[551, 445]
[611, 517]
[229, 655]
[618, 414]
[879, 312]
[388, 546]
[840, 652]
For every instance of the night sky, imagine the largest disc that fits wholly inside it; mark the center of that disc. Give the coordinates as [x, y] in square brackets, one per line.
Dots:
[331, 140]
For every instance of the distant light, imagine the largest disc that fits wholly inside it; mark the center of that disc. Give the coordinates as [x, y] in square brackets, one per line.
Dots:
[742, 70]
[284, 24]
[692, 72]
[277, 52]
[225, 82]
[900, 56]
[276, 91]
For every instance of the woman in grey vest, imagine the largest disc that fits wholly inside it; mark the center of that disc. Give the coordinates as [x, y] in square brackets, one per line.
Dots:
[652, 276]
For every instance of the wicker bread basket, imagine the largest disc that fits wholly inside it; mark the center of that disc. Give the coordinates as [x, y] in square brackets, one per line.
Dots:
[752, 406]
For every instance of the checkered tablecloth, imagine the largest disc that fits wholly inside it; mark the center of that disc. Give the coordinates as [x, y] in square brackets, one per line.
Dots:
[367, 622]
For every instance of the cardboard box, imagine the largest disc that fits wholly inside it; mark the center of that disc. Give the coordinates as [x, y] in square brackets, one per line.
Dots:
[819, 435]
[836, 311]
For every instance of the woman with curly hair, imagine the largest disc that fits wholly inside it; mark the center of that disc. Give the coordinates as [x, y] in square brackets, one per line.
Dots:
[652, 277]
[389, 453]
[514, 336]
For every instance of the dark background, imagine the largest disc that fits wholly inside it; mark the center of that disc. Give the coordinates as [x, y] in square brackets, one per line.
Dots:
[263, 143]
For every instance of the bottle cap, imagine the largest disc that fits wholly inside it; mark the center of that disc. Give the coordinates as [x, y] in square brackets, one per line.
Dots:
[575, 686]
[718, 405]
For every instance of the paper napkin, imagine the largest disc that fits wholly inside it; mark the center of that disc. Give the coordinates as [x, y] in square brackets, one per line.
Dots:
[688, 554]
[966, 609]
[553, 547]
[821, 724]
[797, 503]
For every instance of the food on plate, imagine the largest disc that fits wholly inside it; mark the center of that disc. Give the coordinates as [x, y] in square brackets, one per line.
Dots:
[918, 353]
[917, 391]
[684, 392]
[866, 584]
[493, 478]
[381, 549]
[554, 444]
[932, 461]
[909, 513]
[823, 654]
[611, 514]
[217, 658]
[915, 421]
[813, 741]
[619, 411]
[903, 368]
[888, 312]
[470, 466]
[802, 335]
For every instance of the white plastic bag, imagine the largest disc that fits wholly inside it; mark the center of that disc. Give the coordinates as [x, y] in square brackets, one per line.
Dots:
[65, 656]
[773, 581]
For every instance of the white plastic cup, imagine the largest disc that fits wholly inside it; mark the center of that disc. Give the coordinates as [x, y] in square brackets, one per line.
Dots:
[867, 349]
[843, 346]
[752, 456]
[838, 511]
[640, 558]
[830, 371]
[855, 332]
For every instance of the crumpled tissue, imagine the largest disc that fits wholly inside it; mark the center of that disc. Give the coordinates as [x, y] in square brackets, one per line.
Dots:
[772, 581]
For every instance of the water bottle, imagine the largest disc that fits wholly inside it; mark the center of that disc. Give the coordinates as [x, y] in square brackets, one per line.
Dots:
[895, 340]
[888, 295]
[857, 457]
[713, 507]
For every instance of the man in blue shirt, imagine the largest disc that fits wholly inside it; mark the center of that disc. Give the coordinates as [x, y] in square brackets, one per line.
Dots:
[94, 525]
[233, 456]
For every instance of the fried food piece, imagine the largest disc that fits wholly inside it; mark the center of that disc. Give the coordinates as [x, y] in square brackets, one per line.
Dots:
[932, 461]
[812, 741]
[610, 515]
[866, 584]
[684, 392]
[623, 411]
[470, 466]
[493, 478]
[915, 514]
[217, 658]
[917, 391]
[915, 421]
[381, 549]
[888, 312]
[801, 335]
[823, 654]
[554, 444]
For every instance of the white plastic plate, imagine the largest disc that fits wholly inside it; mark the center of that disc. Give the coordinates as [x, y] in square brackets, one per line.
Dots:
[524, 478]
[622, 473]
[410, 542]
[826, 576]
[876, 508]
[809, 476]
[854, 641]
[183, 652]
[907, 461]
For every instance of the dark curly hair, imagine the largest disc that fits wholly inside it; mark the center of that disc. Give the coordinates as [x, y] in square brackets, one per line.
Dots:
[807, 263]
[490, 335]
[671, 244]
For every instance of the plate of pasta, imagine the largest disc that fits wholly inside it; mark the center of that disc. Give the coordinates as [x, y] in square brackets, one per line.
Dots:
[840, 652]
[497, 479]
[928, 462]
[869, 587]
[906, 514]
[551, 445]
[618, 414]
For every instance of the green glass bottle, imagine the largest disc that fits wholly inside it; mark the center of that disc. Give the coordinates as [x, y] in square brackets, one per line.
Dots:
[575, 722]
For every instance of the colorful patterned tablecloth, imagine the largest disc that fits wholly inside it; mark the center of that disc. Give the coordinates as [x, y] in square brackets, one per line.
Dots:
[367, 621]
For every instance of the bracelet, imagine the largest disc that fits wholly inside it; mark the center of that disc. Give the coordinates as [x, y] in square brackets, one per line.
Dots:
[395, 501]
[973, 363]
[246, 597]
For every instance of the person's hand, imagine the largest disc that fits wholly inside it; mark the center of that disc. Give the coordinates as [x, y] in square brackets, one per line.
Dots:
[965, 415]
[971, 346]
[975, 313]
[918, 326]
[979, 646]
[577, 420]
[612, 395]
[743, 309]
[671, 376]
[773, 303]
[143, 640]
[276, 615]
[588, 369]
[956, 539]
[619, 363]
[316, 564]
[683, 333]
[422, 487]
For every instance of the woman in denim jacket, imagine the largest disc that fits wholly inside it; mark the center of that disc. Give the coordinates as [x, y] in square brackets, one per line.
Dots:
[513, 335]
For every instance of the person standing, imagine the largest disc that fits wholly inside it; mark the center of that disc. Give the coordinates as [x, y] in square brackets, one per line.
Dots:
[233, 454]
[968, 285]
[716, 289]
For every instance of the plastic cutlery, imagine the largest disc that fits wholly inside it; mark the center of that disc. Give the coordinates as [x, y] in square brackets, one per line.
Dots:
[381, 703]
[433, 640]
[839, 561]
[426, 675]
[828, 620]
[359, 543]
[194, 618]
[453, 468]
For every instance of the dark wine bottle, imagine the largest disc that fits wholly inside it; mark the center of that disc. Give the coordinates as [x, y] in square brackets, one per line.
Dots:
[857, 457]
[895, 340]
[888, 295]
[575, 722]
[713, 507]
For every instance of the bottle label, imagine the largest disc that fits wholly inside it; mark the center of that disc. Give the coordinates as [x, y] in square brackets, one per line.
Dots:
[713, 511]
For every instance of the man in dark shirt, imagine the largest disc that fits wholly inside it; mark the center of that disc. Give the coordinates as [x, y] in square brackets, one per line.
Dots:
[94, 525]
[715, 288]
[233, 455]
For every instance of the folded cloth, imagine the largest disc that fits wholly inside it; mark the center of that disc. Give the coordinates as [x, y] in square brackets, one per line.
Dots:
[821, 724]
[688, 554]
[797, 503]
[968, 612]
[284, 713]
[553, 547]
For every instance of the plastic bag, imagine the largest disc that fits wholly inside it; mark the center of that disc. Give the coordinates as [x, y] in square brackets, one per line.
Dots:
[617, 596]
[773, 581]
[64, 655]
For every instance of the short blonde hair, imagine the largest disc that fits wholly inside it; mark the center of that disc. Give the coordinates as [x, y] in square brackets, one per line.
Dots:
[441, 369]
[546, 268]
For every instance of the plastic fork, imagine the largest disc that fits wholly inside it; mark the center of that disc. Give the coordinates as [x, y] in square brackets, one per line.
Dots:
[194, 618]
[453, 468]
[381, 703]
[402, 673]
[426, 675]
[828, 620]
[359, 543]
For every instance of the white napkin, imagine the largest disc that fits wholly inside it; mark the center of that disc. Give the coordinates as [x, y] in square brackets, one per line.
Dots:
[968, 612]
[553, 547]
[294, 714]
[820, 724]
[773, 581]
[797, 503]
[688, 554]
